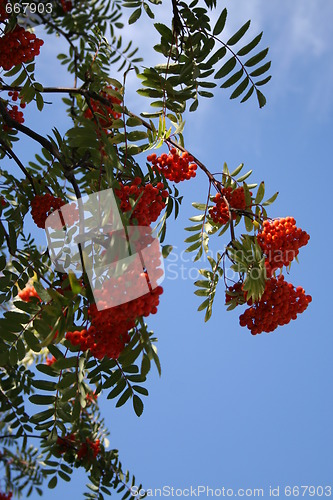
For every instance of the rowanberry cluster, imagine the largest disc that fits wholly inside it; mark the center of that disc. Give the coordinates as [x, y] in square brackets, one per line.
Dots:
[6, 496]
[66, 5]
[105, 114]
[13, 110]
[50, 360]
[44, 205]
[18, 46]
[15, 96]
[3, 12]
[280, 303]
[234, 294]
[280, 241]
[236, 199]
[91, 398]
[66, 443]
[87, 449]
[27, 293]
[174, 167]
[151, 202]
[3, 202]
[108, 333]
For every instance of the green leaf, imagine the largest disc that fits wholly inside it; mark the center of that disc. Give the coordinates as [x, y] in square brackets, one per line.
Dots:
[20, 79]
[226, 68]
[192, 238]
[240, 89]
[237, 170]
[124, 397]
[42, 416]
[41, 291]
[38, 399]
[166, 250]
[239, 34]
[118, 389]
[156, 360]
[141, 390]
[193, 247]
[13, 71]
[197, 218]
[260, 71]
[219, 54]
[20, 349]
[271, 200]
[208, 312]
[248, 95]
[203, 305]
[39, 101]
[53, 482]
[264, 81]
[233, 79]
[202, 283]
[194, 105]
[220, 23]
[202, 292]
[261, 98]
[135, 16]
[199, 206]
[13, 358]
[137, 405]
[62, 363]
[133, 121]
[164, 31]
[250, 46]
[260, 193]
[245, 176]
[137, 135]
[64, 476]
[196, 227]
[257, 58]
[112, 380]
[12, 237]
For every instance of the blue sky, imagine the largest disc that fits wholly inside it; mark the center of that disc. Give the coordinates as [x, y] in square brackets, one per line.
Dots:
[232, 410]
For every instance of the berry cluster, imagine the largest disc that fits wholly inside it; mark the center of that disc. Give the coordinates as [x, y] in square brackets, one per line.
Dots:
[280, 241]
[6, 496]
[43, 205]
[121, 300]
[235, 294]
[3, 202]
[108, 333]
[18, 46]
[236, 199]
[66, 443]
[91, 398]
[87, 449]
[15, 96]
[105, 114]
[3, 13]
[27, 293]
[66, 5]
[174, 167]
[280, 303]
[13, 111]
[50, 361]
[151, 202]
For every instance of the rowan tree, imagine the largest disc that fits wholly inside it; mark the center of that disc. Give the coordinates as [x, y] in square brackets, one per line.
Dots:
[62, 342]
